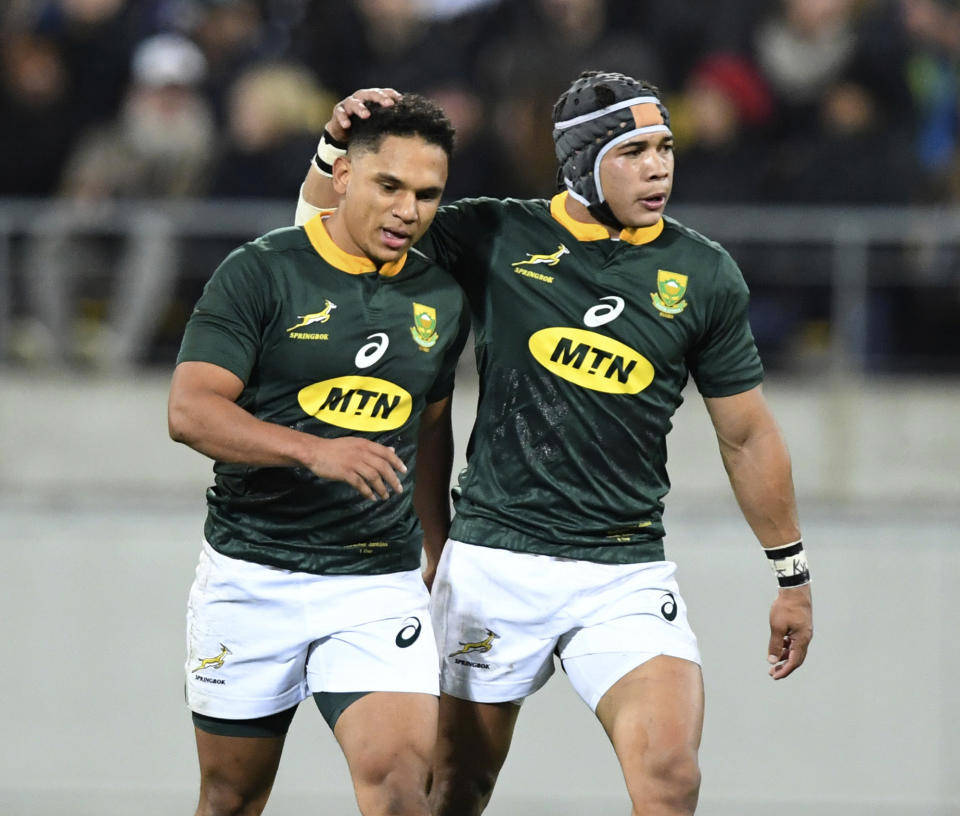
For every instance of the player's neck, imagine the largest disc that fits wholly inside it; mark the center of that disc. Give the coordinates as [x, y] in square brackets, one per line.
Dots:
[340, 235]
[579, 212]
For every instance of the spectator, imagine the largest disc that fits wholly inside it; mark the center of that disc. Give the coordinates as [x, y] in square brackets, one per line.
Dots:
[934, 69]
[274, 113]
[720, 122]
[96, 39]
[524, 70]
[35, 110]
[160, 147]
[867, 158]
[233, 37]
[807, 46]
[479, 166]
[362, 42]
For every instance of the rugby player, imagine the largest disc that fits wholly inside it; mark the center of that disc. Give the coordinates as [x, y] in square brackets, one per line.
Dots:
[590, 311]
[316, 370]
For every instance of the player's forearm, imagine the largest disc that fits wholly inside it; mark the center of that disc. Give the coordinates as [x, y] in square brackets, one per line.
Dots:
[318, 189]
[316, 194]
[222, 430]
[762, 481]
[431, 496]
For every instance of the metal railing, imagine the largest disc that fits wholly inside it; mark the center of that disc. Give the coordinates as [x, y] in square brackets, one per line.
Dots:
[848, 233]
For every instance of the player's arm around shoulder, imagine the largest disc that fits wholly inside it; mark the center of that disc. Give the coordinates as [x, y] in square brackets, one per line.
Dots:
[202, 412]
[431, 493]
[316, 192]
[757, 461]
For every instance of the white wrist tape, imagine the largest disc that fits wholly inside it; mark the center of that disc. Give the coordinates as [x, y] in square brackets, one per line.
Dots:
[328, 151]
[789, 564]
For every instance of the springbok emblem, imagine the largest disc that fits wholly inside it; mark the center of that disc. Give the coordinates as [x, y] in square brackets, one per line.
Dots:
[550, 260]
[484, 645]
[315, 317]
[214, 662]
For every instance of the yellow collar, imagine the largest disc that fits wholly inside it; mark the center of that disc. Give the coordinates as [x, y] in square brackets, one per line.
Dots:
[597, 232]
[344, 261]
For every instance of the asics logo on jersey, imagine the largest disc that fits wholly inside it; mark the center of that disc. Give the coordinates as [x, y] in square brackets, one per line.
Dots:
[357, 403]
[481, 646]
[668, 299]
[550, 260]
[591, 360]
[316, 317]
[213, 662]
[609, 309]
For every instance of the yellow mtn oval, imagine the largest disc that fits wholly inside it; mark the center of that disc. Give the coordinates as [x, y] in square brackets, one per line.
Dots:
[591, 360]
[357, 403]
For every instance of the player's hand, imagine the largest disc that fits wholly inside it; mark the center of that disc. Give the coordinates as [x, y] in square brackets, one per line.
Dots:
[355, 104]
[791, 630]
[368, 467]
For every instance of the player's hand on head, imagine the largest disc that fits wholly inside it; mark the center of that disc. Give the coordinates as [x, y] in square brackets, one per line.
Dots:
[355, 104]
[791, 630]
[370, 468]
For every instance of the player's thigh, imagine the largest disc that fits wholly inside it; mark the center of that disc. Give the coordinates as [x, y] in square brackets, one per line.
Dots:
[472, 737]
[388, 733]
[236, 772]
[653, 716]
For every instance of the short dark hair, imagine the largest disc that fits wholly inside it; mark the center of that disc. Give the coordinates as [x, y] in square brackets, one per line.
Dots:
[411, 115]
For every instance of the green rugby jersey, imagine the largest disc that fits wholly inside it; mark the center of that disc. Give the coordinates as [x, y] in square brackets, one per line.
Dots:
[583, 346]
[325, 344]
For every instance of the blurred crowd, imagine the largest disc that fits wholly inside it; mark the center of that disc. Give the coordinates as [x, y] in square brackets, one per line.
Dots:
[785, 101]
[772, 100]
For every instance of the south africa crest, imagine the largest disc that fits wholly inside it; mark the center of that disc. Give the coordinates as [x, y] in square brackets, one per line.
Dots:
[671, 287]
[424, 328]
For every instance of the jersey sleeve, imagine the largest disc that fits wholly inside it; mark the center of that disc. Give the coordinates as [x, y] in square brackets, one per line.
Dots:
[726, 361]
[226, 325]
[443, 385]
[459, 239]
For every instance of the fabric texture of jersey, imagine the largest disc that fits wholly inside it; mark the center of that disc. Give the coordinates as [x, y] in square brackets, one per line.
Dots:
[584, 345]
[326, 344]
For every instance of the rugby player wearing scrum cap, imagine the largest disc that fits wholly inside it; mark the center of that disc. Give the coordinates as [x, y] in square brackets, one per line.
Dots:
[590, 311]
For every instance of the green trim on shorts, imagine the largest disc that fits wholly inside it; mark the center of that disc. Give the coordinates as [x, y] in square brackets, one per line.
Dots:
[333, 703]
[273, 725]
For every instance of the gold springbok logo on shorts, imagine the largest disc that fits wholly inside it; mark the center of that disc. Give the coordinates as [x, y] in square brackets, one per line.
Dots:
[550, 260]
[484, 645]
[214, 662]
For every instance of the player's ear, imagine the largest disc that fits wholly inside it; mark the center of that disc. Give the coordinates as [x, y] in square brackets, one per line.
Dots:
[342, 169]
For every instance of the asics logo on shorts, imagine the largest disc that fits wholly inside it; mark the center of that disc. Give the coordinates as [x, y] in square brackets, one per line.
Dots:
[669, 608]
[408, 635]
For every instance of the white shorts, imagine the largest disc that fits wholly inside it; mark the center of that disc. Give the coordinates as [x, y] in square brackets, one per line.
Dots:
[500, 616]
[262, 639]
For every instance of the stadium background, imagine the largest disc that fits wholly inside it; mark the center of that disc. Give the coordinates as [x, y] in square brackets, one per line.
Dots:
[817, 139]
